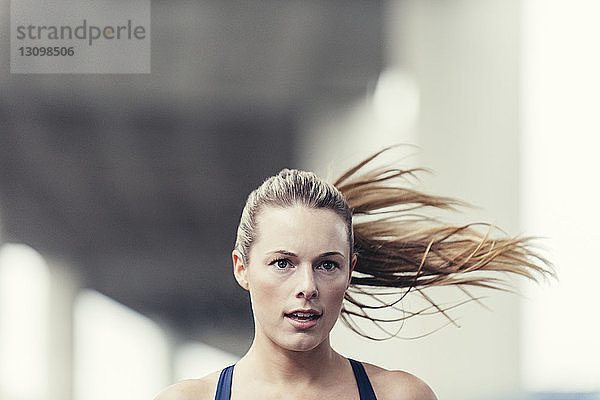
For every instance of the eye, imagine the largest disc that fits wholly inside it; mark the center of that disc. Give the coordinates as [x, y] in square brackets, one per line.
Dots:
[281, 263]
[328, 265]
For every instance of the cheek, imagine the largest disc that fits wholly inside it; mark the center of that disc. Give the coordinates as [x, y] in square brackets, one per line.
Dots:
[337, 291]
[260, 281]
[264, 293]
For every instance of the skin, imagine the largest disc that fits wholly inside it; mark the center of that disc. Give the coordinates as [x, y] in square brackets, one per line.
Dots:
[299, 261]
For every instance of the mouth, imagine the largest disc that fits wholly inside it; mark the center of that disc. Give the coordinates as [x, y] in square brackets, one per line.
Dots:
[303, 319]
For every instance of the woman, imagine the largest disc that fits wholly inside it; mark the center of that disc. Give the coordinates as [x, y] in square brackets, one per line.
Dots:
[298, 252]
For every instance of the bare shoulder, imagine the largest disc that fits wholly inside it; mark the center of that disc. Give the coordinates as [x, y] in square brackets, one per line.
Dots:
[191, 389]
[397, 385]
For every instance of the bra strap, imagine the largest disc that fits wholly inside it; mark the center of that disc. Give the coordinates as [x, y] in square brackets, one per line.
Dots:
[224, 385]
[365, 389]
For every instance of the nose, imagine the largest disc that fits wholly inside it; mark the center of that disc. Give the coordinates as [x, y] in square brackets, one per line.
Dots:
[307, 286]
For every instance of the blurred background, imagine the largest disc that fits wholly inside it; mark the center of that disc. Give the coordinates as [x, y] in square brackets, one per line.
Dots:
[120, 194]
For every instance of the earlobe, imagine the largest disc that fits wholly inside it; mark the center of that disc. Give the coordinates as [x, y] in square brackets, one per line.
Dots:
[239, 269]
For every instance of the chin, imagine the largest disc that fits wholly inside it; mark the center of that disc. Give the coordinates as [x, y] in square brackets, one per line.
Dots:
[302, 346]
[302, 341]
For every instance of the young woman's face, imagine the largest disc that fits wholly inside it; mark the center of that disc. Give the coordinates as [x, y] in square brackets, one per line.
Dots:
[299, 269]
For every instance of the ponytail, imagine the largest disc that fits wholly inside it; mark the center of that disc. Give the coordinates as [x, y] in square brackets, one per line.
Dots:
[401, 248]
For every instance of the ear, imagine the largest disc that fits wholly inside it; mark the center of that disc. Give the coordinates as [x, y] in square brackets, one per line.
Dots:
[352, 265]
[240, 270]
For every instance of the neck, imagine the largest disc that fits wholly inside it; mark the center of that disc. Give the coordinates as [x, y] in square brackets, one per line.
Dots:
[270, 362]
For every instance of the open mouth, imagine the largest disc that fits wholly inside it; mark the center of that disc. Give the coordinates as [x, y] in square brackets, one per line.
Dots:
[303, 316]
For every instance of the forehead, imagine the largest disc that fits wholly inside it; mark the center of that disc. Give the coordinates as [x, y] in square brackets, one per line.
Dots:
[300, 229]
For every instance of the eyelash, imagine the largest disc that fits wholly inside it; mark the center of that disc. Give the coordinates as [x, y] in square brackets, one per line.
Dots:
[333, 263]
[275, 262]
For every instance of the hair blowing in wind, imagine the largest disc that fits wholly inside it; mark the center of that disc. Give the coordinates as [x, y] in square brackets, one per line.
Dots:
[402, 250]
[399, 247]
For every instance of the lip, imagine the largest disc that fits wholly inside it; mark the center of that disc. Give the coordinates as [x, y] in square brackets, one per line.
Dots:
[298, 324]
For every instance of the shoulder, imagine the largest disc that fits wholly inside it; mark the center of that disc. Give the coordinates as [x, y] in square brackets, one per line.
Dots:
[191, 389]
[397, 385]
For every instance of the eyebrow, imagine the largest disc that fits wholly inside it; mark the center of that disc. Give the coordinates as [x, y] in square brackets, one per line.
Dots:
[291, 254]
[331, 253]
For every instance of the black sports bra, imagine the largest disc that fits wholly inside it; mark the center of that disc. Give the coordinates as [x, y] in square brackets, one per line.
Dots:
[365, 389]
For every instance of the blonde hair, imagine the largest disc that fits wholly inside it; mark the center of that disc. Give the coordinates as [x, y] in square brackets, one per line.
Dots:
[290, 187]
[397, 247]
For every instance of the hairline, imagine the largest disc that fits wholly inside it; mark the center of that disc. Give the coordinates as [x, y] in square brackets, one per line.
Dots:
[298, 203]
